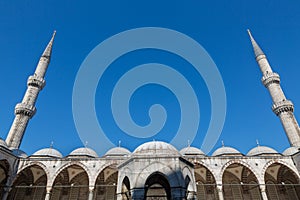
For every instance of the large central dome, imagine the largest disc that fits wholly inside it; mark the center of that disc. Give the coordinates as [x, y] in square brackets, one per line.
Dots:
[156, 148]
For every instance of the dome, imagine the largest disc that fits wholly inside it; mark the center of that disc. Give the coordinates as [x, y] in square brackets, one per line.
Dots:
[19, 153]
[290, 151]
[84, 151]
[117, 151]
[191, 151]
[156, 147]
[259, 150]
[48, 152]
[225, 151]
[3, 143]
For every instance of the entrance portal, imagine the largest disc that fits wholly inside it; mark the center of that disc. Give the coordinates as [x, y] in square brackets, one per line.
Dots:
[157, 187]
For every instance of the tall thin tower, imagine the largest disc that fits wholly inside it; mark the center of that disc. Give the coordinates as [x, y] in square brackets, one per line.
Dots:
[282, 107]
[25, 110]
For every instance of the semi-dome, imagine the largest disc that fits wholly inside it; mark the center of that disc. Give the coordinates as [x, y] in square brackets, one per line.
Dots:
[48, 152]
[19, 153]
[3, 143]
[117, 151]
[226, 151]
[290, 151]
[261, 150]
[84, 151]
[191, 151]
[155, 148]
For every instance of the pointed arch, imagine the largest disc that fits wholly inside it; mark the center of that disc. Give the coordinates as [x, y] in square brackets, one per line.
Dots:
[205, 182]
[281, 181]
[30, 183]
[126, 189]
[239, 182]
[157, 186]
[106, 183]
[72, 182]
[4, 173]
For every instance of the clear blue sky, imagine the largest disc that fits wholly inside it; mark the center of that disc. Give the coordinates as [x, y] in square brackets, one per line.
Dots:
[220, 27]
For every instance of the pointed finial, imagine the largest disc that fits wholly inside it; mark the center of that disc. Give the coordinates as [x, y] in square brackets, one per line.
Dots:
[51, 144]
[48, 50]
[86, 144]
[256, 48]
[223, 145]
[257, 143]
[189, 144]
[119, 143]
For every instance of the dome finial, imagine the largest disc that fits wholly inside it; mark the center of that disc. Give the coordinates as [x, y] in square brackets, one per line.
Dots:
[86, 144]
[188, 142]
[223, 145]
[119, 143]
[51, 144]
[256, 48]
[257, 142]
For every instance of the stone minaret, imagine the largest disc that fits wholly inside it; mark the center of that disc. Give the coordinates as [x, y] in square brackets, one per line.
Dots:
[282, 107]
[25, 110]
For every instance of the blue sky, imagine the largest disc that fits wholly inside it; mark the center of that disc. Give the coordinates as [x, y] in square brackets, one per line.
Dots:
[220, 27]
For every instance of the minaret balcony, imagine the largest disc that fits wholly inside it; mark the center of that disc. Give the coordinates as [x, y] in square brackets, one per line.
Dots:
[36, 81]
[283, 106]
[25, 109]
[269, 78]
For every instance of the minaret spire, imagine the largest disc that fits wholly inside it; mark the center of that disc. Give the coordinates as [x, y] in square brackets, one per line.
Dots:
[25, 110]
[256, 48]
[282, 107]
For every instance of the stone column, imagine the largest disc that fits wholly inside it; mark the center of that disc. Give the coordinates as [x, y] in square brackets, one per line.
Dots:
[263, 192]
[6, 192]
[220, 191]
[48, 193]
[91, 193]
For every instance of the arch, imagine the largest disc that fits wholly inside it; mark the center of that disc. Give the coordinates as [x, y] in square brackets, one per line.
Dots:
[205, 182]
[65, 166]
[104, 166]
[106, 183]
[30, 183]
[208, 167]
[175, 176]
[268, 164]
[157, 186]
[224, 167]
[4, 173]
[72, 182]
[239, 182]
[281, 182]
[126, 193]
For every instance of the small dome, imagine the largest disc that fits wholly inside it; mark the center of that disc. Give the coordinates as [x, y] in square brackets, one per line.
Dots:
[260, 150]
[290, 151]
[156, 147]
[187, 151]
[19, 153]
[84, 151]
[117, 151]
[3, 143]
[48, 152]
[226, 151]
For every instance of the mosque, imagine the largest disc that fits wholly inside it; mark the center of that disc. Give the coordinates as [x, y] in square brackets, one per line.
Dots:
[155, 170]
